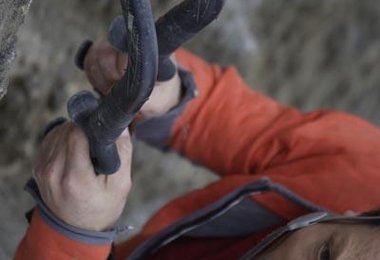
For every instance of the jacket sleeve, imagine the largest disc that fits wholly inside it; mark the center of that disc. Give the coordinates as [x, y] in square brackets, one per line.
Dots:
[43, 242]
[48, 237]
[230, 128]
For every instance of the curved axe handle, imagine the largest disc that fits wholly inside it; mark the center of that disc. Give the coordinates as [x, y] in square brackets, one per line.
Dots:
[149, 47]
[174, 29]
[104, 122]
[178, 26]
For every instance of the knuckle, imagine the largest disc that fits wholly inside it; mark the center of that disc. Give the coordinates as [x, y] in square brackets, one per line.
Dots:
[47, 175]
[45, 171]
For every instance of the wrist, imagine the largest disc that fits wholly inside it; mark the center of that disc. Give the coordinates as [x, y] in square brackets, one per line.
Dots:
[43, 242]
[66, 230]
[157, 131]
[166, 96]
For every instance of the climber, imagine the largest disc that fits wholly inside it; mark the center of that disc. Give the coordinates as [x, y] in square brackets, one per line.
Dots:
[308, 179]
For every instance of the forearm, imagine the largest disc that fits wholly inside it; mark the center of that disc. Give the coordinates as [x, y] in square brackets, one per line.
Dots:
[218, 119]
[226, 124]
[232, 129]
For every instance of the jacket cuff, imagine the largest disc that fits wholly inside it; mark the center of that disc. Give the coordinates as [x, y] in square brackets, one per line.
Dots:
[66, 230]
[43, 242]
[157, 131]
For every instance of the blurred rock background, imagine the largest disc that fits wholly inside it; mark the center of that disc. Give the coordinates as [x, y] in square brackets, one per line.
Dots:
[305, 53]
[12, 14]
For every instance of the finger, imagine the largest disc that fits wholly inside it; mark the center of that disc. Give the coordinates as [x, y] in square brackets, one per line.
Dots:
[121, 63]
[78, 152]
[79, 174]
[51, 155]
[107, 61]
[164, 97]
[93, 72]
[50, 144]
[53, 171]
[121, 180]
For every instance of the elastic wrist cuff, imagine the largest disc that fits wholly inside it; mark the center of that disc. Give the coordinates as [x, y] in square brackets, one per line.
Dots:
[156, 131]
[81, 235]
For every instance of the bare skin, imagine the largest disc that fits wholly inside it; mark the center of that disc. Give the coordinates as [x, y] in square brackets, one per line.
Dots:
[328, 242]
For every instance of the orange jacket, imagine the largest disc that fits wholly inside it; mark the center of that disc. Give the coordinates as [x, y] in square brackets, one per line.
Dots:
[328, 158]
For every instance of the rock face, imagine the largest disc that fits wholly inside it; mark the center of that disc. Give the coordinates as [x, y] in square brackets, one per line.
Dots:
[303, 53]
[321, 54]
[12, 14]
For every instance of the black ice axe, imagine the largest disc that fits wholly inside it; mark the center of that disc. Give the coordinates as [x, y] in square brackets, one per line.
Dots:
[104, 122]
[178, 26]
[147, 45]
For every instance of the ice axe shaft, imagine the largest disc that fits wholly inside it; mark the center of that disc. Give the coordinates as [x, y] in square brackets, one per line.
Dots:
[173, 29]
[103, 123]
[180, 25]
[149, 47]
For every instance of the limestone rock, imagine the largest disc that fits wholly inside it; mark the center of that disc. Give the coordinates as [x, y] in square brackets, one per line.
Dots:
[12, 14]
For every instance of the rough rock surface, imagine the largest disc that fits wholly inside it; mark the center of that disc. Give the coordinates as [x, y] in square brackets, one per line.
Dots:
[12, 14]
[304, 53]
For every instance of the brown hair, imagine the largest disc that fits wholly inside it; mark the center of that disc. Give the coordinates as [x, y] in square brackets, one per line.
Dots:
[372, 213]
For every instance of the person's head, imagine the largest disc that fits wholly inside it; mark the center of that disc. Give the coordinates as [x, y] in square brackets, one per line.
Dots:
[327, 241]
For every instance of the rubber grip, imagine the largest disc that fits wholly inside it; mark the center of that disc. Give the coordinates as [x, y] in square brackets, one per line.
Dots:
[103, 122]
[178, 26]
[82, 53]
